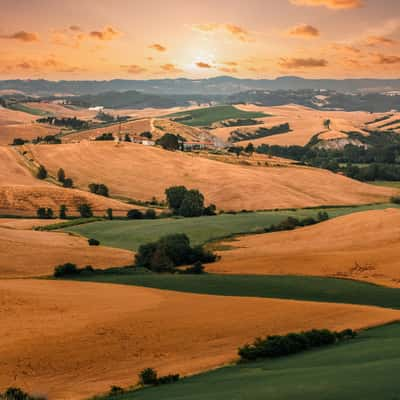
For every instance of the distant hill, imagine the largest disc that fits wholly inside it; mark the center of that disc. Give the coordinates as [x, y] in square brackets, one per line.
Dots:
[213, 86]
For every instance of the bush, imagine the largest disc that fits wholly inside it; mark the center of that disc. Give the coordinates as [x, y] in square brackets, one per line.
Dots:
[134, 214]
[13, 393]
[68, 183]
[169, 252]
[278, 346]
[99, 188]
[65, 270]
[148, 376]
[93, 242]
[85, 210]
[150, 214]
[41, 172]
[323, 216]
[171, 378]
[115, 391]
[395, 199]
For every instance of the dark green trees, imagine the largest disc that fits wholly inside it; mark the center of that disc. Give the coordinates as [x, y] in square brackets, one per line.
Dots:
[41, 172]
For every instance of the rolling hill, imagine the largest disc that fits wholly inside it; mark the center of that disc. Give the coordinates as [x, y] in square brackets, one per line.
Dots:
[362, 246]
[141, 172]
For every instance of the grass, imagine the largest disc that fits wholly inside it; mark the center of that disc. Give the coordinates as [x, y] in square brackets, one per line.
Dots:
[29, 110]
[364, 368]
[132, 233]
[392, 184]
[305, 288]
[209, 115]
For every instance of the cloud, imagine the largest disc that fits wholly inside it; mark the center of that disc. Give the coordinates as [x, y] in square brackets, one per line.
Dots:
[75, 28]
[304, 31]
[23, 36]
[236, 31]
[383, 59]
[170, 68]
[108, 33]
[134, 69]
[50, 63]
[333, 4]
[158, 47]
[345, 48]
[230, 63]
[380, 40]
[201, 64]
[297, 63]
[228, 70]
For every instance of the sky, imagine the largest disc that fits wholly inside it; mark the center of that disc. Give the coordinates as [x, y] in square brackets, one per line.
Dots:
[153, 39]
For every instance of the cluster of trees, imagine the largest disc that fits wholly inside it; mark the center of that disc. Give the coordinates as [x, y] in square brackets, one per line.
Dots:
[67, 182]
[169, 141]
[19, 142]
[149, 376]
[14, 393]
[238, 135]
[170, 252]
[373, 172]
[44, 213]
[187, 203]
[99, 188]
[238, 150]
[41, 172]
[84, 210]
[292, 343]
[48, 139]
[137, 214]
[69, 269]
[105, 137]
[73, 123]
[291, 223]
[108, 118]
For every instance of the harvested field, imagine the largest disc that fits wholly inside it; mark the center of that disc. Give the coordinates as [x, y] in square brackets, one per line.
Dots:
[114, 331]
[21, 193]
[26, 224]
[31, 253]
[304, 122]
[141, 172]
[131, 127]
[362, 246]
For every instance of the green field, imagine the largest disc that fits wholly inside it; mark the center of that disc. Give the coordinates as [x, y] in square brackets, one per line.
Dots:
[209, 115]
[130, 234]
[364, 368]
[393, 184]
[305, 288]
[29, 110]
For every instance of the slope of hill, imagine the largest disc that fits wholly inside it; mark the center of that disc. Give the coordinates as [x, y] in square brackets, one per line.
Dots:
[141, 172]
[32, 253]
[361, 246]
[115, 331]
[21, 193]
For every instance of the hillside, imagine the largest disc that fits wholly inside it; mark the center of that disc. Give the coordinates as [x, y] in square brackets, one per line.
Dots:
[36, 253]
[22, 193]
[362, 246]
[141, 172]
[114, 331]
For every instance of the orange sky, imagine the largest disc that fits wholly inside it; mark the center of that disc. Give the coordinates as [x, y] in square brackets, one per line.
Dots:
[87, 39]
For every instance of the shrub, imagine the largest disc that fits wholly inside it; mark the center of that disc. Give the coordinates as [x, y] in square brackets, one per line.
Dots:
[85, 210]
[148, 376]
[395, 199]
[68, 183]
[63, 211]
[323, 216]
[61, 175]
[93, 242]
[278, 346]
[19, 142]
[171, 378]
[99, 188]
[41, 172]
[13, 393]
[65, 270]
[134, 214]
[115, 391]
[169, 252]
[150, 214]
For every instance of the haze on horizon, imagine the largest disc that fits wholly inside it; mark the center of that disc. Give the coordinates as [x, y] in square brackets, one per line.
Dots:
[89, 39]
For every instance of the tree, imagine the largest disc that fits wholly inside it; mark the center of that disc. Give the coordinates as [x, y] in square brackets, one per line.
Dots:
[249, 148]
[150, 214]
[134, 214]
[63, 211]
[99, 188]
[109, 212]
[41, 213]
[169, 141]
[49, 213]
[61, 175]
[127, 138]
[85, 210]
[19, 142]
[148, 376]
[192, 204]
[146, 134]
[175, 196]
[93, 242]
[327, 123]
[41, 172]
[68, 183]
